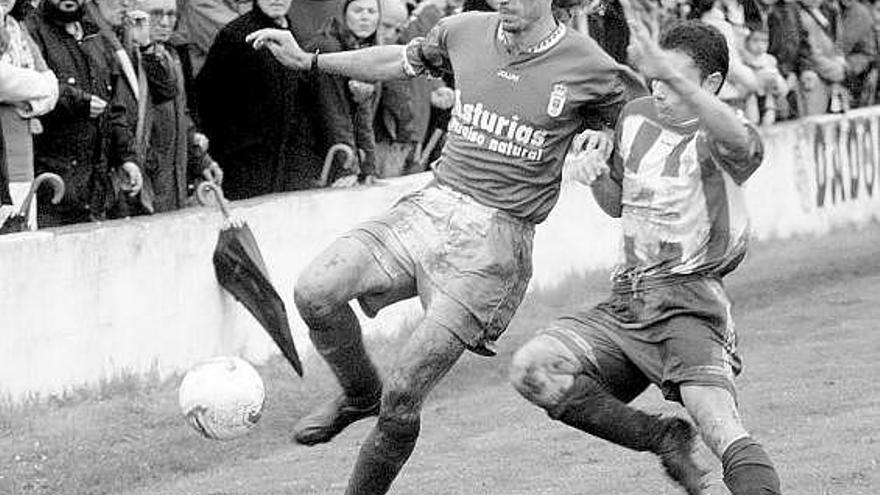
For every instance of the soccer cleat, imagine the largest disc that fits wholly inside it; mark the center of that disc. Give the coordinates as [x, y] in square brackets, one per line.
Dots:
[676, 445]
[330, 419]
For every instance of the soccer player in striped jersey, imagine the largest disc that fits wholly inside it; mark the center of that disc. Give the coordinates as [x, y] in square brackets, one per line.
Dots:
[525, 84]
[680, 158]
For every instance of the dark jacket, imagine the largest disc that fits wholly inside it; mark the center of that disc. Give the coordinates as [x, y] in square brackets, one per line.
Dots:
[74, 145]
[339, 118]
[172, 160]
[249, 109]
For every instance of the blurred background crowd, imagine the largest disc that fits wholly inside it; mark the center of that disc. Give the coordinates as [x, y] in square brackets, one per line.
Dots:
[132, 103]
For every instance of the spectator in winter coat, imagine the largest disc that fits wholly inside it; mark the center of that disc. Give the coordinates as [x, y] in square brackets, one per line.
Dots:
[251, 109]
[19, 116]
[176, 155]
[344, 107]
[88, 129]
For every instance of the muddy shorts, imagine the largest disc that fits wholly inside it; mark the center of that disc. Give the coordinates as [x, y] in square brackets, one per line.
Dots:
[469, 264]
[671, 335]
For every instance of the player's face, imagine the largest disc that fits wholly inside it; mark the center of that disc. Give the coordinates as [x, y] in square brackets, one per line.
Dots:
[275, 9]
[670, 107]
[362, 17]
[519, 15]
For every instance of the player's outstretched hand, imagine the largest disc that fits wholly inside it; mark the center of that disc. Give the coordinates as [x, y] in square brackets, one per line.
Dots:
[283, 46]
[588, 158]
[643, 52]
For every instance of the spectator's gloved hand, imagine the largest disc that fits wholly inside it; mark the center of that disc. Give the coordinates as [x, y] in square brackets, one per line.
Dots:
[213, 173]
[135, 179]
[588, 157]
[443, 98]
[201, 141]
[96, 106]
[361, 91]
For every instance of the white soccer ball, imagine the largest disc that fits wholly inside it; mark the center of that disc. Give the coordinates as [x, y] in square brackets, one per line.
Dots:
[222, 398]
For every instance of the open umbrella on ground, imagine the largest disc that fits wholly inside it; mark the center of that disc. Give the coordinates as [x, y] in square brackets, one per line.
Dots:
[18, 222]
[240, 269]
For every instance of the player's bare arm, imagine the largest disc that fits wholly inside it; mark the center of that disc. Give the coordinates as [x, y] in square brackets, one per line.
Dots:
[375, 63]
[719, 119]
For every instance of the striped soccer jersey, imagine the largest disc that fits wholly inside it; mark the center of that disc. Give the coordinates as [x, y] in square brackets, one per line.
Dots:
[682, 196]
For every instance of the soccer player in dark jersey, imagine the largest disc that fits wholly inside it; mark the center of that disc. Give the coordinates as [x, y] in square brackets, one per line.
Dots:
[525, 84]
[680, 158]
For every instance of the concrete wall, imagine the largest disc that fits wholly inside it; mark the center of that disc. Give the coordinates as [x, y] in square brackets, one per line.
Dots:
[82, 304]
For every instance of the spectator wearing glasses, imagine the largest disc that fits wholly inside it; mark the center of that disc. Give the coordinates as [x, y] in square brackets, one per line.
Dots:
[176, 154]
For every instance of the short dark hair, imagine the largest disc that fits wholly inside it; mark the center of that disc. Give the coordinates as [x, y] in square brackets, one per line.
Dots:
[701, 42]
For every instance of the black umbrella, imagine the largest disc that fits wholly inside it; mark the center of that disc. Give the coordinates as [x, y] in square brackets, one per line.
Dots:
[18, 222]
[240, 269]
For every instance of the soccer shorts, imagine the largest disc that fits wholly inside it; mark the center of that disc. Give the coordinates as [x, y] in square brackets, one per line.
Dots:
[470, 264]
[671, 335]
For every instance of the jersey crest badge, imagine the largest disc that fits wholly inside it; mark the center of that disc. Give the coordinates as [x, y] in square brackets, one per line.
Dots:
[557, 100]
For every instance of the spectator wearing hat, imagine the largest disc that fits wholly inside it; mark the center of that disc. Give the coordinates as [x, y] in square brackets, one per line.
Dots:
[344, 107]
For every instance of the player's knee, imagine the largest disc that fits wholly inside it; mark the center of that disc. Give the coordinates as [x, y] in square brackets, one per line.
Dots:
[400, 404]
[313, 296]
[531, 376]
[714, 411]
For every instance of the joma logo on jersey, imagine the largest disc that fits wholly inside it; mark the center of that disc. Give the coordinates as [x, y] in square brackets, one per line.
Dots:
[557, 100]
[510, 76]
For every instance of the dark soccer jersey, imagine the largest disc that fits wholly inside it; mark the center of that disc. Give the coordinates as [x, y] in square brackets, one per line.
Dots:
[516, 113]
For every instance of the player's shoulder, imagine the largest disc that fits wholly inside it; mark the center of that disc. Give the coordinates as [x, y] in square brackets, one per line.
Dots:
[587, 49]
[469, 20]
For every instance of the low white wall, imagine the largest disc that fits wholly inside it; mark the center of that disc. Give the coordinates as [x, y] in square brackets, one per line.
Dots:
[82, 304]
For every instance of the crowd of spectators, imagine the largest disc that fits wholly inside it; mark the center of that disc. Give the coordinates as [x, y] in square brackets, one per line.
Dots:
[133, 102]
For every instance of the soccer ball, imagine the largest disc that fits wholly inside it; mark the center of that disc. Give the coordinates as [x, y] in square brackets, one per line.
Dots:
[222, 398]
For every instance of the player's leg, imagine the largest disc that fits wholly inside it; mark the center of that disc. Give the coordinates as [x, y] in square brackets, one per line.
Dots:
[346, 270]
[583, 379]
[423, 361]
[700, 362]
[747, 467]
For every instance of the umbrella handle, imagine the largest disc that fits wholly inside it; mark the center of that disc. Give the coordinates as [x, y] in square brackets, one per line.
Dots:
[54, 180]
[209, 186]
[328, 160]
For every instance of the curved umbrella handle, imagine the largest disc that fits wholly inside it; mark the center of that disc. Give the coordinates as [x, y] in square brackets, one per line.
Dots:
[54, 180]
[328, 160]
[209, 186]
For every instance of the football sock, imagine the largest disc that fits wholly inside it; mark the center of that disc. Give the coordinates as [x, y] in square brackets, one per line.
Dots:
[337, 338]
[590, 408]
[748, 469]
[382, 455]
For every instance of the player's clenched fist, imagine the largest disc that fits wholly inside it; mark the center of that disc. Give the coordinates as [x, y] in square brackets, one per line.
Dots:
[588, 157]
[283, 45]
